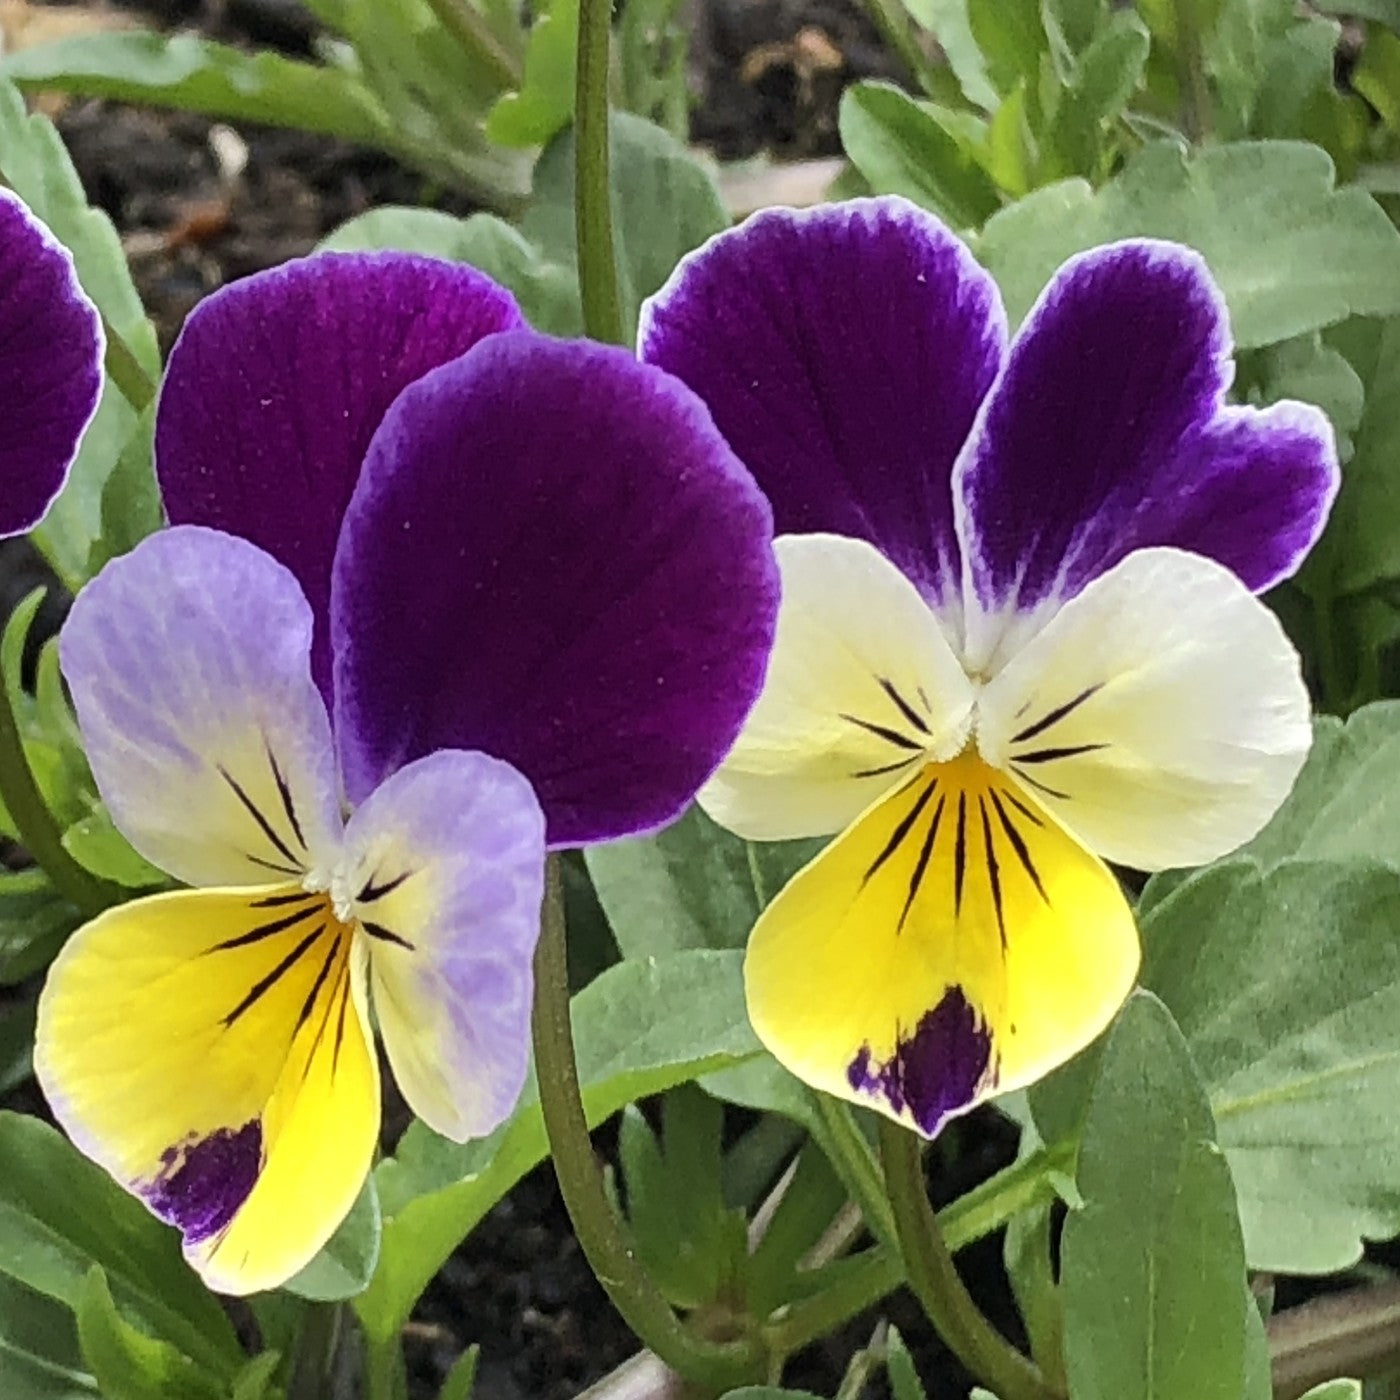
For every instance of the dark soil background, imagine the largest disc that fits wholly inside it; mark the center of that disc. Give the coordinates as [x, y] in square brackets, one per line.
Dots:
[766, 77]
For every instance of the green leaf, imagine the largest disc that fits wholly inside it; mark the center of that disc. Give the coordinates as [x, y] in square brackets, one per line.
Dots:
[1286, 985]
[641, 1027]
[901, 149]
[1308, 369]
[664, 205]
[129, 507]
[256, 1380]
[904, 1379]
[547, 291]
[1335, 1390]
[1153, 1265]
[1291, 253]
[1377, 75]
[1386, 12]
[949, 23]
[60, 1215]
[39, 1355]
[1362, 545]
[35, 920]
[544, 106]
[1103, 80]
[95, 843]
[1012, 39]
[127, 1364]
[199, 75]
[345, 1265]
[462, 1377]
[692, 885]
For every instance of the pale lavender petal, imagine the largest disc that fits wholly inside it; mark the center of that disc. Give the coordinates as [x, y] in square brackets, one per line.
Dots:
[277, 385]
[844, 352]
[446, 869]
[1107, 433]
[553, 557]
[189, 664]
[51, 347]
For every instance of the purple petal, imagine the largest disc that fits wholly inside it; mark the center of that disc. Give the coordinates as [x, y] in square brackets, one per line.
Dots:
[552, 557]
[844, 352]
[447, 862]
[1107, 434]
[188, 660]
[51, 347]
[277, 385]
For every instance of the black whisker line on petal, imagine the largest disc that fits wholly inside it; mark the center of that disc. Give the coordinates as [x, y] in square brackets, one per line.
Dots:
[901, 831]
[373, 891]
[1050, 755]
[1018, 845]
[921, 865]
[386, 935]
[309, 1004]
[346, 985]
[1056, 715]
[880, 731]
[282, 848]
[993, 871]
[272, 865]
[285, 792]
[260, 989]
[1029, 813]
[1036, 783]
[960, 854]
[275, 901]
[885, 768]
[272, 927]
[904, 707]
[342, 979]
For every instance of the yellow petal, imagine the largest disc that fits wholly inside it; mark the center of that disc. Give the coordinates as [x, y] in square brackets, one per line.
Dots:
[954, 943]
[209, 1048]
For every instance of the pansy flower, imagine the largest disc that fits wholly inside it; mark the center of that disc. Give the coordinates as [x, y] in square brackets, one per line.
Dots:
[487, 592]
[1018, 635]
[51, 347]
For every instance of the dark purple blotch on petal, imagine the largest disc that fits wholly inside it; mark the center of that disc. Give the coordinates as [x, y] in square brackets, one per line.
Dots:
[50, 366]
[844, 352]
[937, 1071]
[278, 382]
[204, 1183]
[1107, 434]
[554, 558]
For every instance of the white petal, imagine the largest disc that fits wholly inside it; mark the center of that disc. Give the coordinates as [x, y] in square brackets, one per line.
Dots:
[861, 687]
[1161, 714]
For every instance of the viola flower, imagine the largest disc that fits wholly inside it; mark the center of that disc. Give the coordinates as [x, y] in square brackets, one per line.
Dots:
[51, 347]
[527, 599]
[1018, 634]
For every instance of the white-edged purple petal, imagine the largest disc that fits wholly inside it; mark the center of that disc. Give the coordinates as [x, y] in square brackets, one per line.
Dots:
[843, 352]
[1108, 433]
[445, 867]
[552, 557]
[277, 385]
[189, 662]
[51, 347]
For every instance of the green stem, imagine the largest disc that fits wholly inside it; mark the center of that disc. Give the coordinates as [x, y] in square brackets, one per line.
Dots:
[1191, 74]
[38, 832]
[880, 1271]
[597, 264]
[854, 1161]
[934, 1278]
[601, 1235]
[317, 1348]
[124, 369]
[468, 26]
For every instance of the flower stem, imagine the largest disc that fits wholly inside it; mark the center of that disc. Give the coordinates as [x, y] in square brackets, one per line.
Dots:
[601, 1235]
[855, 1164]
[597, 264]
[38, 832]
[934, 1279]
[467, 25]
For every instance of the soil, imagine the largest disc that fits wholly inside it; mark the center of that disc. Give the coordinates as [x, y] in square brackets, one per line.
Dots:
[767, 76]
